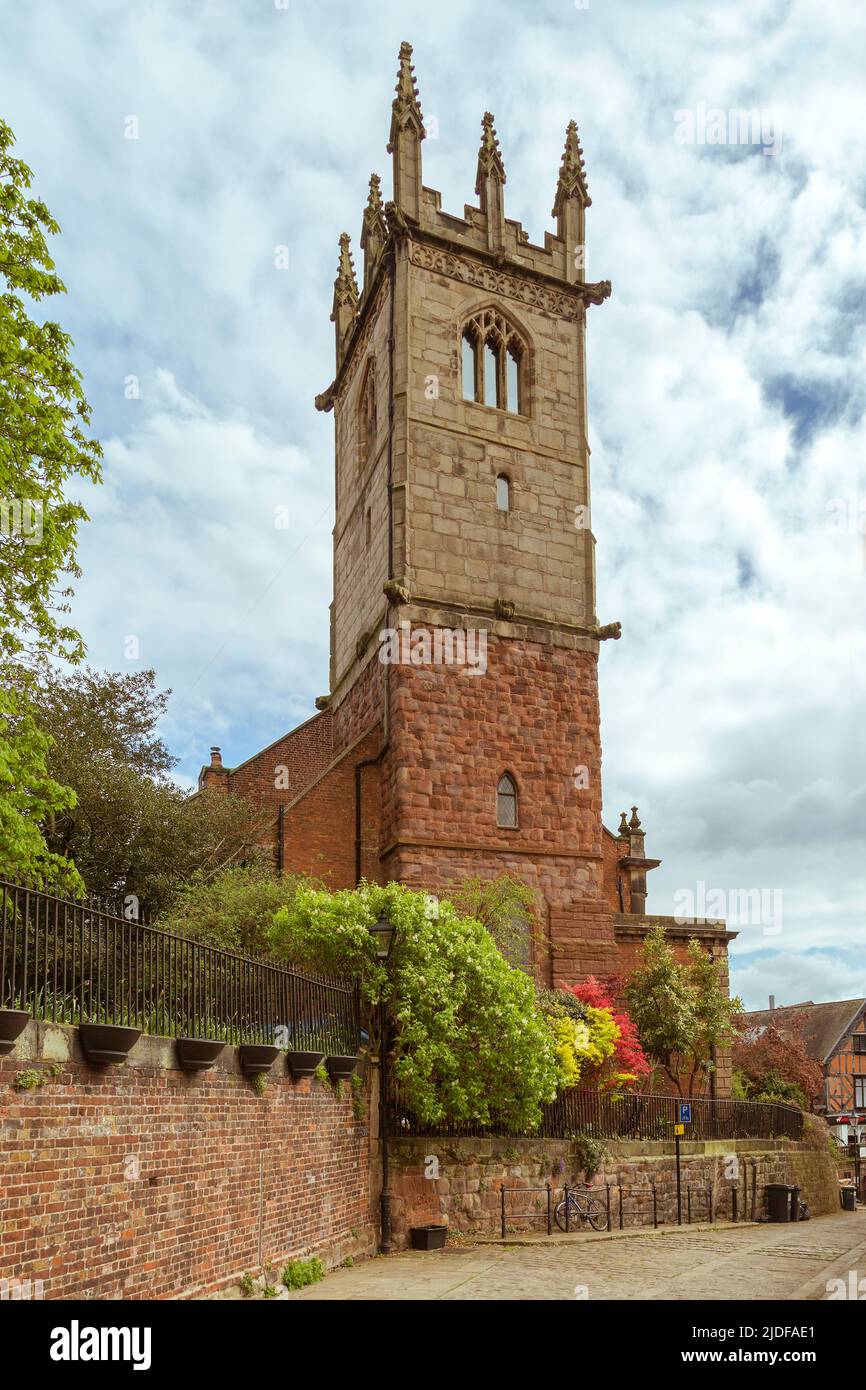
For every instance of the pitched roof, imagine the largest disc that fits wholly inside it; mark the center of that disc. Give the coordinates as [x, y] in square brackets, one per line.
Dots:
[823, 1024]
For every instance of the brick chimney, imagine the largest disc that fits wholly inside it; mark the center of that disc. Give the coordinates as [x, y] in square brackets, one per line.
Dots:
[214, 777]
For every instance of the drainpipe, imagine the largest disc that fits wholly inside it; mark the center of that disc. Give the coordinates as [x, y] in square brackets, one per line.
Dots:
[392, 274]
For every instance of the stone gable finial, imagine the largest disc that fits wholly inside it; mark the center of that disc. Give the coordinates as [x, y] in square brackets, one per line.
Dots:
[490, 164]
[572, 173]
[406, 106]
[346, 297]
[634, 823]
[345, 285]
[623, 824]
[373, 210]
[374, 230]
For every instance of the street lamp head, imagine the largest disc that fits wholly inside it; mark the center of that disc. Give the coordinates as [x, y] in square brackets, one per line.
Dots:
[383, 934]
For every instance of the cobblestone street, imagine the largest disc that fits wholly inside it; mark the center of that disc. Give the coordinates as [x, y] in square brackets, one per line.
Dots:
[746, 1262]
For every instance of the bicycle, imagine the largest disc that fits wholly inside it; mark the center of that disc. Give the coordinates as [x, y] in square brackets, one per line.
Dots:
[584, 1207]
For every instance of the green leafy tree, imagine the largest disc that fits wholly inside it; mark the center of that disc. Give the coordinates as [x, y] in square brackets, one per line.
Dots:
[28, 794]
[43, 412]
[507, 907]
[681, 1009]
[469, 1041]
[43, 447]
[132, 832]
[233, 908]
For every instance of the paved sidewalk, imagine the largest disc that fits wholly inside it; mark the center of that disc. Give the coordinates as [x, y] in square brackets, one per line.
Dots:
[722, 1262]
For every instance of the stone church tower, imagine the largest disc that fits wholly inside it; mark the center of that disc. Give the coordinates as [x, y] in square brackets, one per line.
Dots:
[460, 736]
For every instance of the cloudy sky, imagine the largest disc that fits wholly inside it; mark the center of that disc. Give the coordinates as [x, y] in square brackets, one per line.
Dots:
[180, 143]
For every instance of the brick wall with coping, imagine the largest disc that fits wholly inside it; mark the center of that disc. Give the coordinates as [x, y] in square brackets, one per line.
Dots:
[144, 1181]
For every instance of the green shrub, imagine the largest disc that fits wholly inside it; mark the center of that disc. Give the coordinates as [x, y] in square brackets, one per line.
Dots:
[299, 1273]
[469, 1041]
[28, 1080]
[232, 910]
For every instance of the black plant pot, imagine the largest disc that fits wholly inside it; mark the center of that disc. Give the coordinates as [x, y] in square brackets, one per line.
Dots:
[105, 1044]
[428, 1237]
[12, 1025]
[341, 1068]
[305, 1063]
[198, 1054]
[257, 1057]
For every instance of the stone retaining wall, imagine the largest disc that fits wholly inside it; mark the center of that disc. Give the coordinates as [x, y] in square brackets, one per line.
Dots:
[459, 1181]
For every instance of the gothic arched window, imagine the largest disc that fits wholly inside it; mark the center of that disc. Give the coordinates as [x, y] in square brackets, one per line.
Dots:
[367, 414]
[506, 802]
[494, 363]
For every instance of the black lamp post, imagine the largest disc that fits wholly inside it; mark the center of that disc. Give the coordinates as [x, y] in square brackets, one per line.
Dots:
[383, 933]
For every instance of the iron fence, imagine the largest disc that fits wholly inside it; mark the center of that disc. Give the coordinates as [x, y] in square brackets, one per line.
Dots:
[620, 1207]
[630, 1116]
[69, 962]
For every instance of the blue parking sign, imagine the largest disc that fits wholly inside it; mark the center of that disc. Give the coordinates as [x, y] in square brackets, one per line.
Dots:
[685, 1113]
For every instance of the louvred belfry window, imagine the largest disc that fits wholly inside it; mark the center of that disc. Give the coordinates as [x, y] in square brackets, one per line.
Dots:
[494, 363]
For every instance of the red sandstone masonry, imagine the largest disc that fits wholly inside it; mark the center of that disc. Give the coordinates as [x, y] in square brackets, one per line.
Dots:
[533, 713]
[223, 1172]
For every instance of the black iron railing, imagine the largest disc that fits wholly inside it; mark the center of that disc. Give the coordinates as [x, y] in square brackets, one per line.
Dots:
[632, 1116]
[68, 962]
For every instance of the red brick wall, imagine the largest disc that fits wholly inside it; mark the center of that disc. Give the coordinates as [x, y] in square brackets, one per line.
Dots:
[319, 829]
[211, 1156]
[583, 943]
[612, 848]
[304, 754]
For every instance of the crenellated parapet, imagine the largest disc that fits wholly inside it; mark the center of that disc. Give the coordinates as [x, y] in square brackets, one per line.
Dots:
[481, 244]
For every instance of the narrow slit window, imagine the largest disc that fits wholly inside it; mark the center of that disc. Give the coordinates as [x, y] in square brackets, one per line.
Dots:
[368, 527]
[503, 495]
[469, 372]
[506, 802]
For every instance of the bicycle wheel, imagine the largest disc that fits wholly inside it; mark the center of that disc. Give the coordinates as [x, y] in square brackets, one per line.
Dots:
[596, 1214]
[559, 1215]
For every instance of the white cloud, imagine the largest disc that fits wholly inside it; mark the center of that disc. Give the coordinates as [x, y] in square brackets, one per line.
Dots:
[726, 395]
